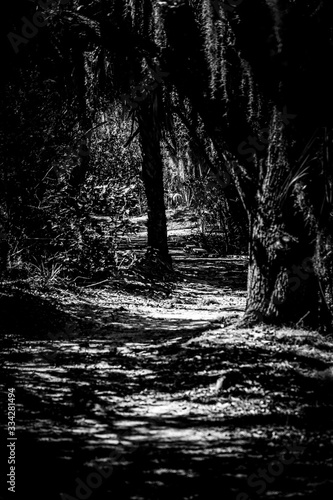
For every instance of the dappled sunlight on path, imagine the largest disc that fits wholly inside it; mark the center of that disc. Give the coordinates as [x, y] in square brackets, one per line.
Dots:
[188, 405]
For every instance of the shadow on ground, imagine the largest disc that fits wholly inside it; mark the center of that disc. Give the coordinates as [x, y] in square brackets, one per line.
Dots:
[189, 406]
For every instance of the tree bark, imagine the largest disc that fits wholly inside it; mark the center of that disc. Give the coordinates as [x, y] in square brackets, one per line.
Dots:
[152, 174]
[282, 287]
[79, 172]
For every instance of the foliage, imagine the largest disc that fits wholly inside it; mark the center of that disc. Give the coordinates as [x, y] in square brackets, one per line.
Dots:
[192, 180]
[221, 225]
[45, 222]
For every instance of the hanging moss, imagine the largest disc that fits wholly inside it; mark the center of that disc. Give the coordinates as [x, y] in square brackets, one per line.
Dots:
[158, 25]
[129, 10]
[210, 42]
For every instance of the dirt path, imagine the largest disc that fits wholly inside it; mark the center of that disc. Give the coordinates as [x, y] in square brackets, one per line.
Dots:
[158, 381]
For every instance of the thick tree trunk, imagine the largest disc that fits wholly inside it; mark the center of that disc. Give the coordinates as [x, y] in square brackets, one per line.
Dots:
[152, 174]
[290, 268]
[282, 286]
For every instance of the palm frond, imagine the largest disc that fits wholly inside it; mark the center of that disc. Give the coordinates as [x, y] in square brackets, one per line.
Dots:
[301, 170]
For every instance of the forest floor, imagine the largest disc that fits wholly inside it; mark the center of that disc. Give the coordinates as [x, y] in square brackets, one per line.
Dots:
[146, 389]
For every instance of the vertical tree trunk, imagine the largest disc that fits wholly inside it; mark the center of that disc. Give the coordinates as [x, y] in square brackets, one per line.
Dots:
[81, 169]
[282, 285]
[152, 174]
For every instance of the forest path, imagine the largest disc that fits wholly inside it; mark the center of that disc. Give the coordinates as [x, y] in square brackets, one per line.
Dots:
[190, 406]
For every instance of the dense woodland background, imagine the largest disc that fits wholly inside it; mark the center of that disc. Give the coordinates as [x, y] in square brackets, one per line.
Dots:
[169, 154]
[123, 108]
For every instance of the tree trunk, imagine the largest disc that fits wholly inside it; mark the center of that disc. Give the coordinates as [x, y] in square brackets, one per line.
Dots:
[152, 174]
[282, 287]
